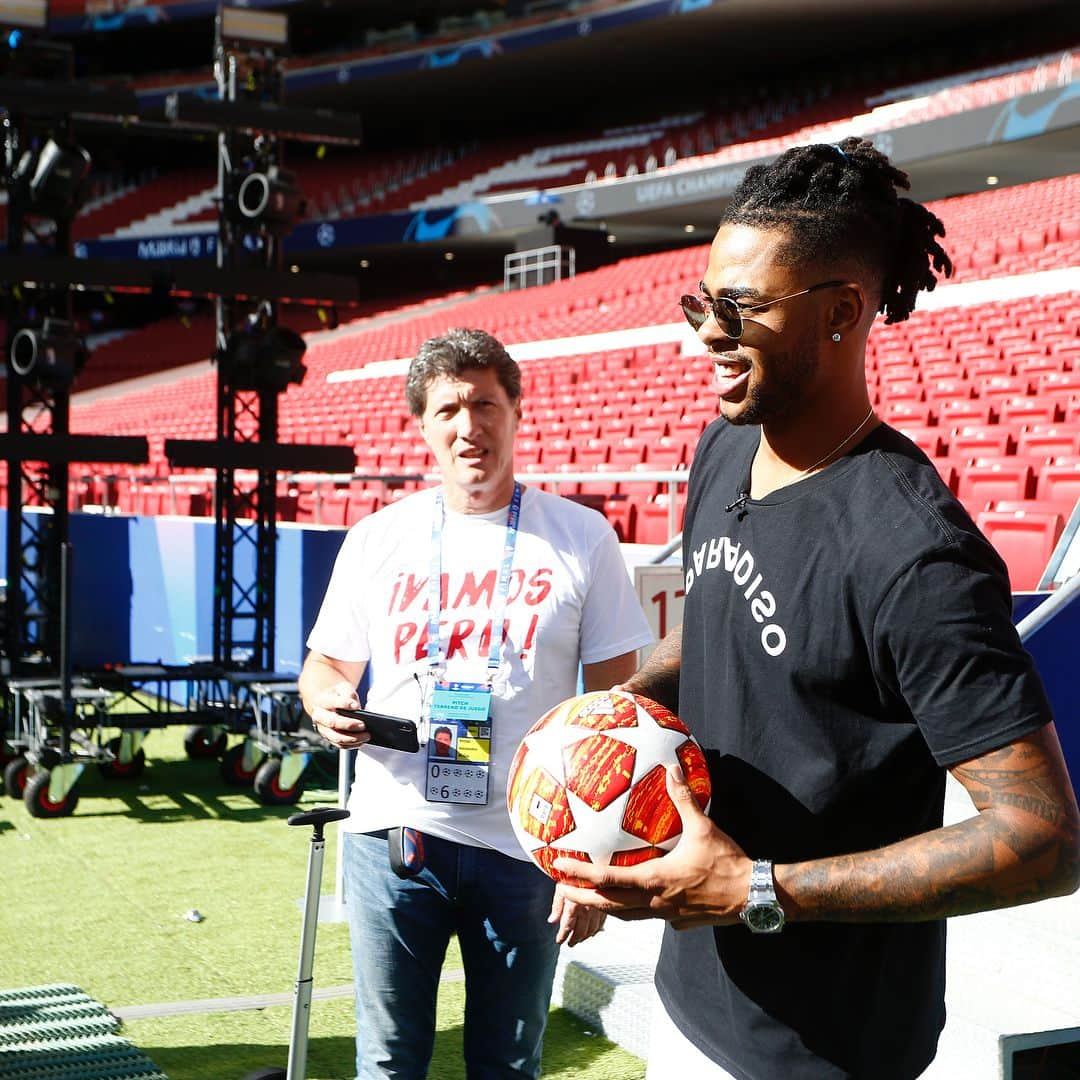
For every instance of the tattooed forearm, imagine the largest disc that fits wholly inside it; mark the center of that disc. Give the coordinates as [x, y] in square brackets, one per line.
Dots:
[658, 677]
[1023, 845]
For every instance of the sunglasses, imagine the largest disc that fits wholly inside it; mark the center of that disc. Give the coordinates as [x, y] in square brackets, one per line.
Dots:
[727, 313]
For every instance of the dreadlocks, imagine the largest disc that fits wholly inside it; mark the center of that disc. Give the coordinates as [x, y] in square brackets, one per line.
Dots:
[840, 202]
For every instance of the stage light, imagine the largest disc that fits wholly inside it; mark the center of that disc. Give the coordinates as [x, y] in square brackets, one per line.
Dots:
[51, 179]
[264, 359]
[270, 199]
[52, 354]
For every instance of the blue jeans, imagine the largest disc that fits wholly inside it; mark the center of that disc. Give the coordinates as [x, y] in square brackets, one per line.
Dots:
[399, 931]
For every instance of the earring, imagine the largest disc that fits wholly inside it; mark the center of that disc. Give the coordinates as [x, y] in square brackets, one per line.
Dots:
[836, 337]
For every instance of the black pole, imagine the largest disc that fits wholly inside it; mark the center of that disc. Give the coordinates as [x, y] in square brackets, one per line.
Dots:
[66, 706]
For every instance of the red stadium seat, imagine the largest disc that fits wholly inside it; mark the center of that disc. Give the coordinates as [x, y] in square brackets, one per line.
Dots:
[1059, 481]
[904, 413]
[1059, 383]
[334, 506]
[953, 414]
[556, 452]
[652, 523]
[622, 513]
[628, 452]
[1003, 386]
[1049, 441]
[361, 503]
[928, 439]
[980, 366]
[1042, 506]
[980, 440]
[951, 389]
[591, 452]
[1024, 539]
[650, 428]
[991, 480]
[1029, 410]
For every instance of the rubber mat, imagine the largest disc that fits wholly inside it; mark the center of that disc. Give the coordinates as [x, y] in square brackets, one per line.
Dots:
[58, 1032]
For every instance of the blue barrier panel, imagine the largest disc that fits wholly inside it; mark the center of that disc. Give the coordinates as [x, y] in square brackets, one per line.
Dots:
[1056, 648]
[102, 589]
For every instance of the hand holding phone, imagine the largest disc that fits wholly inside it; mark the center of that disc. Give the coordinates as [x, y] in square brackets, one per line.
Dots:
[389, 731]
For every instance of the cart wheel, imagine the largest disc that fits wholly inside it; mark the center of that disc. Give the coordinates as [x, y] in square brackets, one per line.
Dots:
[16, 773]
[268, 789]
[202, 741]
[36, 797]
[324, 765]
[266, 1073]
[232, 767]
[122, 770]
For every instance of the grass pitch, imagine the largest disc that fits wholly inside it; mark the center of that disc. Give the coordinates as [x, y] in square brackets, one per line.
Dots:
[99, 899]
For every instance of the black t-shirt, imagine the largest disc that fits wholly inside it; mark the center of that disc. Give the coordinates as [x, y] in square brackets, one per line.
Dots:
[844, 638]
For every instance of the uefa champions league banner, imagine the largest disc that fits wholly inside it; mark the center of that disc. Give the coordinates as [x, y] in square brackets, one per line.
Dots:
[1025, 117]
[75, 16]
[410, 226]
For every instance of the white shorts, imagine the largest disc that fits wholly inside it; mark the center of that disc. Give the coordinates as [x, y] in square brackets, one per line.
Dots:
[672, 1056]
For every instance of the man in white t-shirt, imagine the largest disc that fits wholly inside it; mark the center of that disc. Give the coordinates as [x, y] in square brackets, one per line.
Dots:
[470, 607]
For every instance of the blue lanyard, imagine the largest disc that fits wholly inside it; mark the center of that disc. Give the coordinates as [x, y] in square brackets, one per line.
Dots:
[434, 644]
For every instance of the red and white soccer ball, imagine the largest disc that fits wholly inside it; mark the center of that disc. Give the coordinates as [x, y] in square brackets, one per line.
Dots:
[588, 781]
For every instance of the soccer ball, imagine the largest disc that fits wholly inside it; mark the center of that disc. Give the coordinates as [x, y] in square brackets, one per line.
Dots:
[588, 781]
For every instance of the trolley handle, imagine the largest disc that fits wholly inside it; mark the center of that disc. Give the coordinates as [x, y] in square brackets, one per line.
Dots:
[319, 816]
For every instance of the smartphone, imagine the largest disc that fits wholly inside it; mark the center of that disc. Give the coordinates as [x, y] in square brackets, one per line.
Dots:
[389, 731]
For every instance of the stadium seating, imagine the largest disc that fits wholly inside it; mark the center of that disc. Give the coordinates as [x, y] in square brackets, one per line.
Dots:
[989, 389]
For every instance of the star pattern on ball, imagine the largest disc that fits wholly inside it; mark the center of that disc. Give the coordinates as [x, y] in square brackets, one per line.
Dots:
[593, 769]
[594, 831]
[546, 747]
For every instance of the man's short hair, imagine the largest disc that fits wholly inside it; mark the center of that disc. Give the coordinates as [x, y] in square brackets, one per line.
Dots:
[453, 353]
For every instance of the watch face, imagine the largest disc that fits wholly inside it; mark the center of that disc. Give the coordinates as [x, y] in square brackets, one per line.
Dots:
[764, 919]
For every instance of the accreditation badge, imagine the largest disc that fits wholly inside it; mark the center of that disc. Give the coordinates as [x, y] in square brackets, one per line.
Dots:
[459, 743]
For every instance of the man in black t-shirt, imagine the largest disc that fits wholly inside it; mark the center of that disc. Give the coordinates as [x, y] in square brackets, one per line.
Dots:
[847, 640]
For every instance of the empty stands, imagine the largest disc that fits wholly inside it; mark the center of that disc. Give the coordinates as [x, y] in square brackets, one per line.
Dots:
[990, 390]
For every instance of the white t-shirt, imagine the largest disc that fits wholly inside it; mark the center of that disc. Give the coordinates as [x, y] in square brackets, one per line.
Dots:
[570, 599]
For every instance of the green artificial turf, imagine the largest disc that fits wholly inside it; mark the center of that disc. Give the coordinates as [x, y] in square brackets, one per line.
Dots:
[99, 899]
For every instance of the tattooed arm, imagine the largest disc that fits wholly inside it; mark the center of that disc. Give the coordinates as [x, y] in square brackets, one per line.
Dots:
[658, 677]
[1022, 845]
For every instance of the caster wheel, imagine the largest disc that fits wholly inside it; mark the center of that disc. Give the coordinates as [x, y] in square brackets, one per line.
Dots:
[203, 741]
[122, 770]
[232, 767]
[268, 789]
[38, 803]
[16, 774]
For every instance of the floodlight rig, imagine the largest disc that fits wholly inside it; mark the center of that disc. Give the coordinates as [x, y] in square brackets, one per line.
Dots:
[43, 173]
[259, 204]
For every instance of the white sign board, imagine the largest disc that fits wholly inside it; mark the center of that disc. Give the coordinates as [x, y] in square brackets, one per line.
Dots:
[660, 593]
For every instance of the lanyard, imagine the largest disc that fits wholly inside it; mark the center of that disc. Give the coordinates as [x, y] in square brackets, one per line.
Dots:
[434, 644]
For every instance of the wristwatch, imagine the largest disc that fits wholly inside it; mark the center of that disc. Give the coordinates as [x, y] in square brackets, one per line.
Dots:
[763, 913]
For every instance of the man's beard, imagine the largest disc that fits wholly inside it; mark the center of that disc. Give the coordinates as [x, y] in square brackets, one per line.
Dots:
[781, 392]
